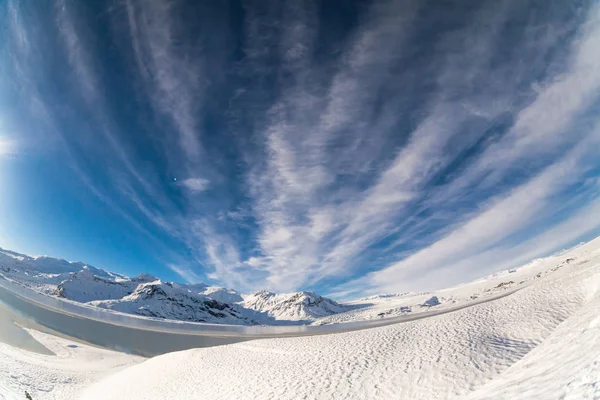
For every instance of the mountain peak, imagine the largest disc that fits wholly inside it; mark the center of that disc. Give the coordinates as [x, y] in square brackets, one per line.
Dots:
[295, 306]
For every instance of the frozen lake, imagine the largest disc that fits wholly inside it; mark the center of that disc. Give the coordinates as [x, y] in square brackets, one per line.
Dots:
[11, 333]
[127, 339]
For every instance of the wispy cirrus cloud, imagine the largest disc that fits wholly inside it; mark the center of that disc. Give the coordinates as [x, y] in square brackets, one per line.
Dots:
[349, 151]
[172, 72]
[469, 243]
[313, 225]
[481, 244]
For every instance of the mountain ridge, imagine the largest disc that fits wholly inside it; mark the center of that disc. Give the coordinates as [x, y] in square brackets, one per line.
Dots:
[149, 296]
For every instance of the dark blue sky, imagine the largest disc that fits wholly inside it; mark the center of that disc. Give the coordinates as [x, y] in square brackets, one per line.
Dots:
[344, 147]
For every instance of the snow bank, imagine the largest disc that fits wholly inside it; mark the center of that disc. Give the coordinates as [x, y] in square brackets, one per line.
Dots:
[565, 366]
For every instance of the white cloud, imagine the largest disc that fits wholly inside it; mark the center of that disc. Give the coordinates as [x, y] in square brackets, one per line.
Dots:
[196, 184]
[582, 225]
[490, 227]
[186, 273]
[313, 226]
[173, 78]
[540, 129]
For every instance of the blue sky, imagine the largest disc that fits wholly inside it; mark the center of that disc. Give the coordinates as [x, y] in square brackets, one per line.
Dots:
[344, 147]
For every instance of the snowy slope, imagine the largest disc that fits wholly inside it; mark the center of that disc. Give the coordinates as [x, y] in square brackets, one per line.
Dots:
[540, 342]
[393, 305]
[293, 306]
[223, 295]
[564, 366]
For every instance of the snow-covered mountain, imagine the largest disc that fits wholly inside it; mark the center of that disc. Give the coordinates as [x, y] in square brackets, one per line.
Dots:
[222, 294]
[148, 296]
[159, 299]
[293, 306]
[45, 273]
[85, 286]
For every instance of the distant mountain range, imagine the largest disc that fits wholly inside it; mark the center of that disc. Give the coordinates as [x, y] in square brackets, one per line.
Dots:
[149, 296]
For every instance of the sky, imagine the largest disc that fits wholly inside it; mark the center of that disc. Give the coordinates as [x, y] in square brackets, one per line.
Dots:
[345, 147]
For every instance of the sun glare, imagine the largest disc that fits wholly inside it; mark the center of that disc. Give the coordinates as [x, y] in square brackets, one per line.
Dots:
[7, 146]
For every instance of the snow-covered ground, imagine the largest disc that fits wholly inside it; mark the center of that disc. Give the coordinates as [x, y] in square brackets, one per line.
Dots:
[542, 341]
[391, 305]
[62, 375]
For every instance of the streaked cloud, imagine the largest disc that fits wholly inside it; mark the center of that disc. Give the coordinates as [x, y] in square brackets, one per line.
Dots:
[406, 144]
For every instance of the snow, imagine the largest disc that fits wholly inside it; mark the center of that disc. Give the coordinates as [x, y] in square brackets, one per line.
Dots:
[565, 366]
[84, 286]
[164, 300]
[43, 273]
[394, 305]
[293, 306]
[540, 342]
[223, 295]
[63, 375]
